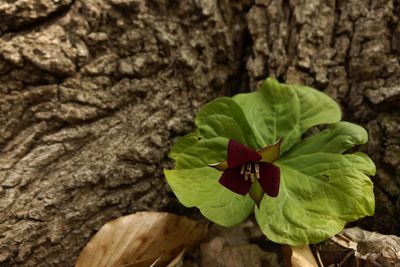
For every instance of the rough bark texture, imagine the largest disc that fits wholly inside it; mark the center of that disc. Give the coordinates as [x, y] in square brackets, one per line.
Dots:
[349, 49]
[93, 94]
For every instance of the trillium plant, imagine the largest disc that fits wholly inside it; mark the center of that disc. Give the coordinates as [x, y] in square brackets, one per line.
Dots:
[249, 154]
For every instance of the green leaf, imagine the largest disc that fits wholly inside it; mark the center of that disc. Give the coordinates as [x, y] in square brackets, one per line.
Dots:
[279, 110]
[223, 117]
[321, 189]
[199, 187]
[193, 181]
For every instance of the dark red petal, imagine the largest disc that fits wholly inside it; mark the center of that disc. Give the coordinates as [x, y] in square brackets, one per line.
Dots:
[234, 181]
[239, 154]
[270, 177]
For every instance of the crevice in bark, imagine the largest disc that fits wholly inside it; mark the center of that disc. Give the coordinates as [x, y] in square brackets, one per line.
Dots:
[30, 25]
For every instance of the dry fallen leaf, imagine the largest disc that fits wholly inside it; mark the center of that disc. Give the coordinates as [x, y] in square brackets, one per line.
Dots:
[177, 262]
[375, 248]
[354, 246]
[300, 256]
[141, 239]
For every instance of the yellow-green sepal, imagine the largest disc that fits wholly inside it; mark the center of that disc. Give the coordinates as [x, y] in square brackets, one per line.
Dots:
[256, 193]
[272, 152]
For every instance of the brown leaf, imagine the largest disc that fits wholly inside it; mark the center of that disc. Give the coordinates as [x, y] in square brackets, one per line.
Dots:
[141, 239]
[177, 262]
[375, 248]
[357, 247]
[300, 256]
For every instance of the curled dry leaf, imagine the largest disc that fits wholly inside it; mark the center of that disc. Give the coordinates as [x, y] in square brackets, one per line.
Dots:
[374, 247]
[299, 256]
[354, 246]
[178, 261]
[141, 239]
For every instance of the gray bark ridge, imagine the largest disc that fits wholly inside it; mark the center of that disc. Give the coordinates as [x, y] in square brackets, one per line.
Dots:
[94, 93]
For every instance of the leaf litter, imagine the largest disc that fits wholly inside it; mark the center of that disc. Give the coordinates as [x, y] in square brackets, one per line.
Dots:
[140, 240]
[161, 239]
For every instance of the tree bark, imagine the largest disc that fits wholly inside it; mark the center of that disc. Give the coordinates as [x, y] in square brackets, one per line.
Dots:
[93, 93]
[351, 51]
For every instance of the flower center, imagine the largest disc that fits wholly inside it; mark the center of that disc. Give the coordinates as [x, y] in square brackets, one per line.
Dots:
[250, 171]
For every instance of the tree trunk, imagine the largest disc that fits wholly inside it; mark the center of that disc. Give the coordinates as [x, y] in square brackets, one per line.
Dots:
[349, 49]
[93, 93]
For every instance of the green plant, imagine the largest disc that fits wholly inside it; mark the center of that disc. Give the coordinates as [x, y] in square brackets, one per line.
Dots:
[321, 187]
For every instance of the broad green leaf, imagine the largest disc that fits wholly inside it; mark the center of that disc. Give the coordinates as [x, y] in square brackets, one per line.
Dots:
[339, 138]
[223, 117]
[199, 187]
[279, 110]
[192, 151]
[321, 189]
[193, 181]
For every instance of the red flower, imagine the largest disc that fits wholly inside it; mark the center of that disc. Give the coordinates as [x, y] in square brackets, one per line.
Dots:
[244, 166]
